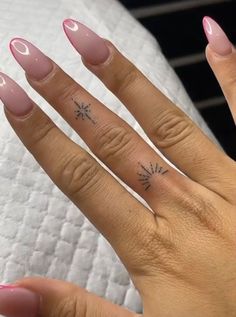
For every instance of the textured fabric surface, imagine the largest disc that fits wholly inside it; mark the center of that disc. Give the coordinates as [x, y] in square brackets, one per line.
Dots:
[41, 231]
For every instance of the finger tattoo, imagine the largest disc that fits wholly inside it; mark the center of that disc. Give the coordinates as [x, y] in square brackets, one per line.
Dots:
[83, 111]
[147, 172]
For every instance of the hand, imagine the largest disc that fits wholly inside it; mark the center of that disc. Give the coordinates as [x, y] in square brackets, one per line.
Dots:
[182, 255]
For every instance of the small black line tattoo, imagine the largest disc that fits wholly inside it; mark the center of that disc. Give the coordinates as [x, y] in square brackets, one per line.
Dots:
[145, 169]
[90, 118]
[78, 115]
[147, 173]
[152, 168]
[143, 175]
[164, 172]
[83, 111]
[156, 168]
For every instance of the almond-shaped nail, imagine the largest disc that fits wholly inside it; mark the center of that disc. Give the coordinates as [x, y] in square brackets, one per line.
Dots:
[88, 44]
[217, 38]
[32, 60]
[14, 97]
[18, 302]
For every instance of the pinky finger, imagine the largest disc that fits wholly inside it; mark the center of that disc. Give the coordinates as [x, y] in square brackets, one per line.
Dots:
[221, 56]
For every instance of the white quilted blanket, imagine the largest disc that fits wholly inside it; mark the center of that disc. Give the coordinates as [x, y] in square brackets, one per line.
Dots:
[41, 231]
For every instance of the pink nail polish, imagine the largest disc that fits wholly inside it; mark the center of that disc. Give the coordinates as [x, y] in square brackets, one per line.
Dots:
[217, 38]
[14, 97]
[18, 302]
[90, 46]
[7, 286]
[32, 60]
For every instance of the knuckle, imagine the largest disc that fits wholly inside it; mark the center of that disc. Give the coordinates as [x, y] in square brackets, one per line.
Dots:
[45, 131]
[124, 78]
[209, 218]
[162, 242]
[170, 128]
[63, 89]
[203, 213]
[157, 250]
[68, 92]
[113, 142]
[79, 175]
[68, 307]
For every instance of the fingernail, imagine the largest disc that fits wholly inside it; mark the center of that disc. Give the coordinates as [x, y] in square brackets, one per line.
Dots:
[89, 45]
[32, 60]
[18, 302]
[14, 97]
[217, 38]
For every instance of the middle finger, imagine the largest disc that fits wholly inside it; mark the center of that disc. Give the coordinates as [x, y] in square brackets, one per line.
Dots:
[110, 138]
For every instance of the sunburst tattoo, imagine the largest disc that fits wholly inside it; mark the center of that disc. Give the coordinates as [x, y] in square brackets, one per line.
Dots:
[146, 173]
[83, 111]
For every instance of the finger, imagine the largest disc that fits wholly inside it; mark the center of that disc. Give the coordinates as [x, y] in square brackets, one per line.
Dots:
[180, 140]
[110, 138]
[47, 298]
[221, 56]
[115, 213]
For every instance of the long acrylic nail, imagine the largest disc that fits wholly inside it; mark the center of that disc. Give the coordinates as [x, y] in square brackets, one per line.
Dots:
[18, 302]
[14, 97]
[91, 46]
[32, 60]
[217, 38]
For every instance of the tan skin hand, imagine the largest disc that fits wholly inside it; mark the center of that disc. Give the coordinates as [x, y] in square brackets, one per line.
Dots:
[182, 255]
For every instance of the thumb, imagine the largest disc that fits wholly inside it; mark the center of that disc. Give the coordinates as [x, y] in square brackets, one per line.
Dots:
[31, 297]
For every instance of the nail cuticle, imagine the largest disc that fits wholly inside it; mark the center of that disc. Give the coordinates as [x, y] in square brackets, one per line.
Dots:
[48, 77]
[106, 63]
[19, 118]
[219, 56]
[110, 57]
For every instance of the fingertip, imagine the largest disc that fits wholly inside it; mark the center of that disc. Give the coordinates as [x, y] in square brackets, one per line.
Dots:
[216, 37]
[18, 302]
[86, 42]
[14, 98]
